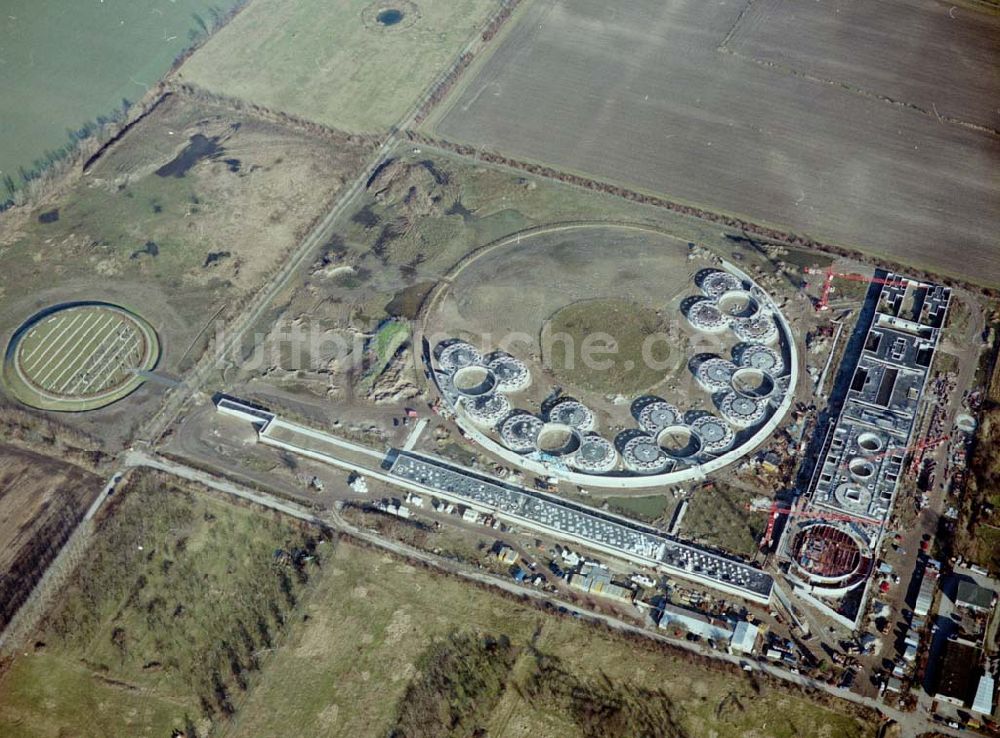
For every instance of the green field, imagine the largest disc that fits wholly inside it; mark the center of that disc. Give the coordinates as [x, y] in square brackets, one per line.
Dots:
[67, 64]
[196, 615]
[164, 622]
[80, 358]
[717, 516]
[615, 331]
[322, 61]
[390, 646]
[648, 508]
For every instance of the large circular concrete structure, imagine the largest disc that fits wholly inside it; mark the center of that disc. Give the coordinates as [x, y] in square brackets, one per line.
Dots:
[657, 415]
[609, 438]
[832, 558]
[596, 455]
[519, 432]
[79, 356]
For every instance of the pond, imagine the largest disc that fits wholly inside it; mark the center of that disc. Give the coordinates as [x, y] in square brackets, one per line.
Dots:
[389, 17]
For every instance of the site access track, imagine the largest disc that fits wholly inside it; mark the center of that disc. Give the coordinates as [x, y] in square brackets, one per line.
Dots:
[912, 724]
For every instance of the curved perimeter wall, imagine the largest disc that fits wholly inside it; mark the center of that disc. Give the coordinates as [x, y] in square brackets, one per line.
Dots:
[692, 473]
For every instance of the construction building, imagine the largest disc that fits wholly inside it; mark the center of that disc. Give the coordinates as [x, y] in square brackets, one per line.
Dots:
[831, 544]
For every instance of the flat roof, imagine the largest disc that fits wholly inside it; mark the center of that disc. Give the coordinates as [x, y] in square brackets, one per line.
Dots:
[587, 525]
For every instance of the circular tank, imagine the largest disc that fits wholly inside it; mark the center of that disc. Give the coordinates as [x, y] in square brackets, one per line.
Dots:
[741, 411]
[512, 374]
[758, 329]
[558, 439]
[716, 436]
[473, 381]
[753, 383]
[870, 443]
[596, 455]
[487, 410]
[658, 415]
[643, 455]
[738, 304]
[679, 441]
[861, 469]
[761, 357]
[715, 374]
[519, 432]
[717, 283]
[574, 414]
[829, 555]
[457, 355]
[706, 317]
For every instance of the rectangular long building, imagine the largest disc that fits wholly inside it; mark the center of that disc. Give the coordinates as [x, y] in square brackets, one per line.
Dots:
[588, 526]
[861, 463]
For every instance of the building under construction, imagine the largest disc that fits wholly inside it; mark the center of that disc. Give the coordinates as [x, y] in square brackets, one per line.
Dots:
[831, 543]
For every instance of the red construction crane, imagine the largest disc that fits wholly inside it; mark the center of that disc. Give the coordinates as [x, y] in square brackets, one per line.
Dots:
[775, 509]
[922, 445]
[830, 275]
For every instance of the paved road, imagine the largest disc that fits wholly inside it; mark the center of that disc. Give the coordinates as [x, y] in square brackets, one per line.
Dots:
[912, 724]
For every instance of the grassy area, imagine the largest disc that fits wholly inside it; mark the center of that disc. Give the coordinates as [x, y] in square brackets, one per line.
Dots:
[165, 621]
[190, 210]
[598, 345]
[718, 517]
[383, 346]
[977, 533]
[183, 618]
[649, 508]
[334, 63]
[944, 362]
[388, 646]
[46, 89]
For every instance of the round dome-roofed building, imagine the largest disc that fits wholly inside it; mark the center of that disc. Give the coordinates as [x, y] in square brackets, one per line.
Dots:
[742, 411]
[758, 356]
[489, 410]
[596, 455]
[457, 355]
[574, 414]
[519, 432]
[715, 374]
[512, 374]
[716, 436]
[718, 282]
[657, 415]
[706, 317]
[643, 455]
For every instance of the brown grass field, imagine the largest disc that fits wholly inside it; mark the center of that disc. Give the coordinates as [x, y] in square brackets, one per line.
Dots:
[377, 628]
[676, 115]
[41, 500]
[328, 62]
[949, 53]
[181, 219]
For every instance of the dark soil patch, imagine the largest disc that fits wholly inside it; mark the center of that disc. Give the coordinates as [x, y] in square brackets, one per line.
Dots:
[199, 147]
[215, 257]
[406, 302]
[149, 249]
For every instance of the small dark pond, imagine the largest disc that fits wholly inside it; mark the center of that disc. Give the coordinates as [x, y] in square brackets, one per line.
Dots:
[389, 17]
